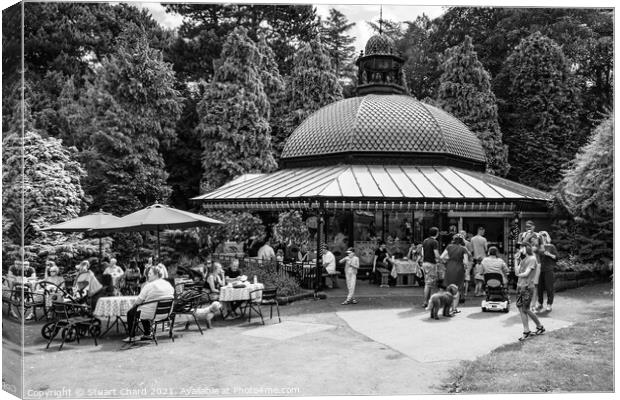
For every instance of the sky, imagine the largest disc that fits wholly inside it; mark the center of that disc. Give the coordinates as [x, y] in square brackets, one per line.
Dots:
[358, 13]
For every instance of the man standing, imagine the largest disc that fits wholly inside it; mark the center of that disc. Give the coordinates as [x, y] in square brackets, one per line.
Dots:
[352, 264]
[430, 256]
[468, 266]
[266, 252]
[329, 263]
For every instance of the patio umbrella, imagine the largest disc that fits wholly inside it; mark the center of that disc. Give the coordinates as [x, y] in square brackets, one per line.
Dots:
[84, 224]
[156, 218]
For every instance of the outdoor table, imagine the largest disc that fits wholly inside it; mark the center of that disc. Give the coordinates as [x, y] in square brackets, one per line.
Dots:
[114, 306]
[404, 269]
[229, 294]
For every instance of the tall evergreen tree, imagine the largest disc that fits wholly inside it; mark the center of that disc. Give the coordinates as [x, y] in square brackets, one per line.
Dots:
[420, 61]
[586, 195]
[338, 44]
[465, 92]
[312, 85]
[125, 115]
[234, 112]
[539, 111]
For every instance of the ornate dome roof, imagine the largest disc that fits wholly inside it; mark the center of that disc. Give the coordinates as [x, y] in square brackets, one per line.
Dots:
[380, 128]
[380, 44]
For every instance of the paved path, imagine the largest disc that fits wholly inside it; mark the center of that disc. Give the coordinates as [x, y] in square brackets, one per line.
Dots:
[465, 336]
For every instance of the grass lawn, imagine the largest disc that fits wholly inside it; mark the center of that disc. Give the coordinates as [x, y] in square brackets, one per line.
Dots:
[574, 359]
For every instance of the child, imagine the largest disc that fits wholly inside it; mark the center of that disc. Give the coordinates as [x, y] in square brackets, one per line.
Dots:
[479, 278]
[352, 264]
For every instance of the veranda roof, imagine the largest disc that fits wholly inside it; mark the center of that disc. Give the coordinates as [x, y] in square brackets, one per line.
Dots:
[377, 187]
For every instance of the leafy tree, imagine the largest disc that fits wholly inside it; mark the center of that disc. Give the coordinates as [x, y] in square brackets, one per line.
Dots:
[465, 92]
[63, 40]
[420, 61]
[338, 44]
[237, 227]
[126, 112]
[312, 85]
[206, 26]
[291, 229]
[234, 111]
[539, 112]
[584, 198]
[585, 36]
[50, 186]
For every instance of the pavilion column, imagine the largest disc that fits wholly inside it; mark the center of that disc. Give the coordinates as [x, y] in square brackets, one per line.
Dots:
[319, 253]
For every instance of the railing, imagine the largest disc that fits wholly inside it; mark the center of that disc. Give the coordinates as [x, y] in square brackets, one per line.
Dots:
[304, 273]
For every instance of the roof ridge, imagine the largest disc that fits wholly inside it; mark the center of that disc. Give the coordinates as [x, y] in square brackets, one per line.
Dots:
[354, 131]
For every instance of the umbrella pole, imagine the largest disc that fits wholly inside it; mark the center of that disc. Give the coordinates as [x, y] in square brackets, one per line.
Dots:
[158, 260]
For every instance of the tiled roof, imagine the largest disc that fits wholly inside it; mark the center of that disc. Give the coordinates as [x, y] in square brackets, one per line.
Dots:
[380, 44]
[382, 123]
[388, 182]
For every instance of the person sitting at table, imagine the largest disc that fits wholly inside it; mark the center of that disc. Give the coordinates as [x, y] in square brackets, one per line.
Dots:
[86, 287]
[233, 273]
[329, 264]
[21, 273]
[156, 288]
[214, 280]
[380, 261]
[303, 254]
[280, 256]
[52, 275]
[133, 271]
[116, 272]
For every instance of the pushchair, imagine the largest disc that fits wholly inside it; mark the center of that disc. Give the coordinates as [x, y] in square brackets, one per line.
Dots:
[71, 320]
[496, 294]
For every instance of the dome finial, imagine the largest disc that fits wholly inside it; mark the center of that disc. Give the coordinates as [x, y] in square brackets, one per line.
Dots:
[381, 19]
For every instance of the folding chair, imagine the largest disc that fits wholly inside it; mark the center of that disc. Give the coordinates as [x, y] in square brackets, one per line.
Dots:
[186, 304]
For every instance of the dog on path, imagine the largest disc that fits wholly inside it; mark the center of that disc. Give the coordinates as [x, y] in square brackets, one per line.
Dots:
[443, 300]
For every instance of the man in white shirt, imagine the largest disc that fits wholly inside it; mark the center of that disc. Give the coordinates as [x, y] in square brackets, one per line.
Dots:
[266, 252]
[156, 288]
[329, 263]
[479, 244]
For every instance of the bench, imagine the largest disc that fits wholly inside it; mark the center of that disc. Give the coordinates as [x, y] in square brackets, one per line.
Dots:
[385, 274]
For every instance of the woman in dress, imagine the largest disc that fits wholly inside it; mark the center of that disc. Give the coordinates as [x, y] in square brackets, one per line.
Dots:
[52, 275]
[86, 285]
[456, 259]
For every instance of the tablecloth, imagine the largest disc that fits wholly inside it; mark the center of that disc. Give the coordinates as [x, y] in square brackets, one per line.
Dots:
[404, 267]
[114, 306]
[228, 293]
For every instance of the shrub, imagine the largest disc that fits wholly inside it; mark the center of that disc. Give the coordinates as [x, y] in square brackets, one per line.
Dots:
[572, 263]
[268, 276]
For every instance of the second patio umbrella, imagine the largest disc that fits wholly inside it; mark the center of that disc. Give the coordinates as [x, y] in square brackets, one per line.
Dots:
[155, 218]
[85, 223]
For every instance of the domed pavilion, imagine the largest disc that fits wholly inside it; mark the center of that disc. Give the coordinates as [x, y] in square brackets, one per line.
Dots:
[383, 165]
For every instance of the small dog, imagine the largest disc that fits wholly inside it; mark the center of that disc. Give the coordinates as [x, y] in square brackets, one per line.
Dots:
[443, 299]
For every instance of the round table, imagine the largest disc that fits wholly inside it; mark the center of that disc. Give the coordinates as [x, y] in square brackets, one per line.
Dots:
[114, 306]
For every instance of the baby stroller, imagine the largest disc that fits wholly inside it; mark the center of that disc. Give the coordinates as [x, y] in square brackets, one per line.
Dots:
[496, 294]
[71, 320]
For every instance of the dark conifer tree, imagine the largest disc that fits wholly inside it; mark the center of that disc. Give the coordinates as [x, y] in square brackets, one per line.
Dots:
[465, 92]
[539, 111]
[234, 128]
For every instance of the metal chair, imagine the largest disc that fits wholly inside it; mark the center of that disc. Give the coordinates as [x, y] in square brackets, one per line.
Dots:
[186, 304]
[164, 314]
[269, 297]
[22, 297]
[72, 321]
